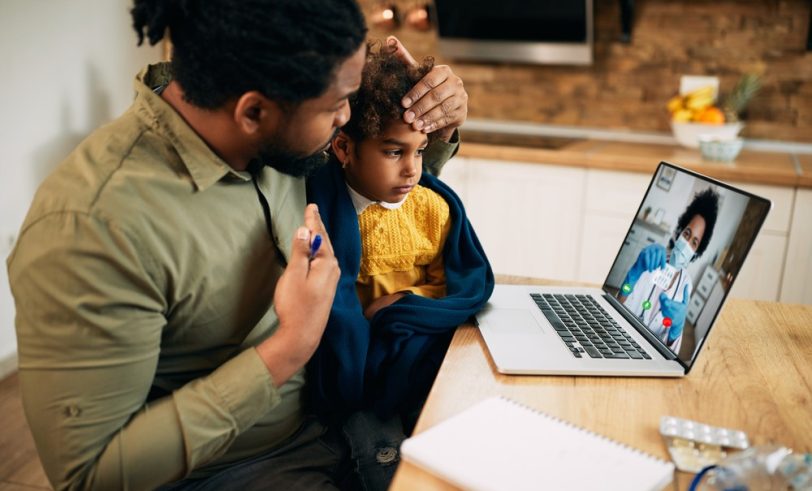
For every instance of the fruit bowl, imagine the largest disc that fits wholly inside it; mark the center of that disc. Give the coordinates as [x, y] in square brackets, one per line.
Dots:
[720, 150]
[687, 134]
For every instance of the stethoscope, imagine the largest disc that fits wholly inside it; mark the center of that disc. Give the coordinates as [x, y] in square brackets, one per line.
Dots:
[654, 287]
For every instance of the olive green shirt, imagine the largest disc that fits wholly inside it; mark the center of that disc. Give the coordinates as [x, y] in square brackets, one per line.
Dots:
[143, 277]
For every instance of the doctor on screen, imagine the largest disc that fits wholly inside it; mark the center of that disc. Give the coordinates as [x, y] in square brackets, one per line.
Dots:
[660, 302]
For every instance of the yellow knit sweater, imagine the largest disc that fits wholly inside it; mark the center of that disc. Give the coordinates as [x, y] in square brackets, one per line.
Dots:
[402, 249]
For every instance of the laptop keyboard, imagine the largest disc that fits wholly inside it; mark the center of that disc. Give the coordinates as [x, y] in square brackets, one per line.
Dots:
[585, 327]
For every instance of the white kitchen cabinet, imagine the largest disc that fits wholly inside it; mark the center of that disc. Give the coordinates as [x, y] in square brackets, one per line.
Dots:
[528, 216]
[611, 200]
[568, 223]
[455, 174]
[760, 276]
[778, 220]
[797, 282]
[602, 237]
[615, 193]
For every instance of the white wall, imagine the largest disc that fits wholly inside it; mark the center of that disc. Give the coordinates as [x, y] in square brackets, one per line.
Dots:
[67, 67]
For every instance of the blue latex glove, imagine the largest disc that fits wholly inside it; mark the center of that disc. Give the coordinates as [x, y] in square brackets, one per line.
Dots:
[650, 258]
[676, 312]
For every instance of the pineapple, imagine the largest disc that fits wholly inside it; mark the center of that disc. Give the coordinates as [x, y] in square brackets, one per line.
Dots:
[736, 102]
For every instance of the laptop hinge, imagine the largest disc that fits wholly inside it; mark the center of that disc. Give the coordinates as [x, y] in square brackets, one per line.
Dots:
[634, 321]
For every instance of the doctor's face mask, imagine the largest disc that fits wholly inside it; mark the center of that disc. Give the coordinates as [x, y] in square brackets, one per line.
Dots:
[681, 254]
[688, 242]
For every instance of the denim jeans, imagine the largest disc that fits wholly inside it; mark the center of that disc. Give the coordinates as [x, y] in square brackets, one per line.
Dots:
[314, 458]
[374, 448]
[360, 452]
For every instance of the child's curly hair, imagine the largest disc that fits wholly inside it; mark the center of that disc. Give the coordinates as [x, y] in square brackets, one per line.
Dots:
[378, 101]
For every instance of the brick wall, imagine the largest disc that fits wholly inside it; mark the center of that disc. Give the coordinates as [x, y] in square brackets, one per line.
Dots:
[628, 84]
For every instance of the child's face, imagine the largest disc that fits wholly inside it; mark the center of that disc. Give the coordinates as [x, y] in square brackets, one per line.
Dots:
[387, 167]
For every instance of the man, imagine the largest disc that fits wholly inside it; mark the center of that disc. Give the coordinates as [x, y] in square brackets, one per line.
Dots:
[166, 298]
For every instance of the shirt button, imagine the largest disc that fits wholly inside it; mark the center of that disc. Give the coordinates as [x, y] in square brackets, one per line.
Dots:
[386, 455]
[73, 411]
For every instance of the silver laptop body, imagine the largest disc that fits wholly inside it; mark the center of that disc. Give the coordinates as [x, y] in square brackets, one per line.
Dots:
[522, 339]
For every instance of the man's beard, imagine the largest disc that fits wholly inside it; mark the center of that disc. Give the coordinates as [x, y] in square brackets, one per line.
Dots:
[291, 163]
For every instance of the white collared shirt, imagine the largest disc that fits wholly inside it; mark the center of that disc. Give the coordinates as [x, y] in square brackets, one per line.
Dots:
[361, 203]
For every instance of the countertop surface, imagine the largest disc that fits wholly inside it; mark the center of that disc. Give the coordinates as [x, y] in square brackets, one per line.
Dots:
[805, 162]
[751, 166]
[743, 379]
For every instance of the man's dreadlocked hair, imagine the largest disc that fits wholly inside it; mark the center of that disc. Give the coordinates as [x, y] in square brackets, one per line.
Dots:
[378, 101]
[288, 50]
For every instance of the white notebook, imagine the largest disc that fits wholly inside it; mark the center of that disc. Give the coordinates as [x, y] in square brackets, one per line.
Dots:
[499, 444]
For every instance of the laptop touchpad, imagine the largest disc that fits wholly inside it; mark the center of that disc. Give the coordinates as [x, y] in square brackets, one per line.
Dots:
[513, 321]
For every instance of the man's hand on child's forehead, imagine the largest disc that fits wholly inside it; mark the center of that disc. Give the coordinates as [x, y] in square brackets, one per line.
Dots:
[438, 102]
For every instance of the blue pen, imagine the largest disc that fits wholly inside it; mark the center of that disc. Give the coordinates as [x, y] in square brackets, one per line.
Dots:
[314, 246]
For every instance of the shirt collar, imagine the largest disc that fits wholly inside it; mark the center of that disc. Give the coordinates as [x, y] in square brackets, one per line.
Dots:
[204, 166]
[361, 203]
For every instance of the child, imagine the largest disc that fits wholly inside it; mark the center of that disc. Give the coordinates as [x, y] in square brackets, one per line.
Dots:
[412, 268]
[403, 225]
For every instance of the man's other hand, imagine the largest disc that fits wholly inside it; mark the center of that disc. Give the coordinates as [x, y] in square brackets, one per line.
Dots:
[302, 300]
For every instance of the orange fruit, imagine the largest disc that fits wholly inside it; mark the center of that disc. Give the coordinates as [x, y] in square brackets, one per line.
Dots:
[710, 115]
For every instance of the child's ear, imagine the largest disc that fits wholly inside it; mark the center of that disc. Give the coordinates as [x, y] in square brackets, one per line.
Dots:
[342, 148]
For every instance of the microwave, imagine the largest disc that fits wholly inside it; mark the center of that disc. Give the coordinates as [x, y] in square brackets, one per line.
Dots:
[524, 31]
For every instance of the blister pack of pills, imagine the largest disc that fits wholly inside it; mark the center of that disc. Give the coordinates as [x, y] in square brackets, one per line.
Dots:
[694, 445]
[662, 277]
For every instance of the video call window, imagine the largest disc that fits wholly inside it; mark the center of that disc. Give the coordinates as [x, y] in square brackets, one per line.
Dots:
[681, 255]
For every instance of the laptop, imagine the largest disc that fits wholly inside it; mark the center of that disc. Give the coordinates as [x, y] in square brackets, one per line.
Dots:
[669, 280]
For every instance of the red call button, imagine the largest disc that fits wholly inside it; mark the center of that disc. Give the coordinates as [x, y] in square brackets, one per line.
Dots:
[667, 321]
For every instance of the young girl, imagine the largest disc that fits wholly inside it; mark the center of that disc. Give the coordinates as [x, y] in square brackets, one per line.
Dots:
[403, 225]
[412, 268]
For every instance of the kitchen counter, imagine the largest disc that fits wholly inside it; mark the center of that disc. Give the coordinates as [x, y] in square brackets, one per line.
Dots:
[752, 166]
[805, 164]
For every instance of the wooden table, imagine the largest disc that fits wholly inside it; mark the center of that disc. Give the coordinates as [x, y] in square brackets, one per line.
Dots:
[754, 373]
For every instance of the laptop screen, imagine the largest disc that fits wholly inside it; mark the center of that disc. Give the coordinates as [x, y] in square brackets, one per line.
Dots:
[681, 255]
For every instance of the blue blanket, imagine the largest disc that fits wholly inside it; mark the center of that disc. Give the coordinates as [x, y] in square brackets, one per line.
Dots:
[389, 362]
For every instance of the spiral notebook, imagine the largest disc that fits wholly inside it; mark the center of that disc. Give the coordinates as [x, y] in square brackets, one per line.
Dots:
[499, 444]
